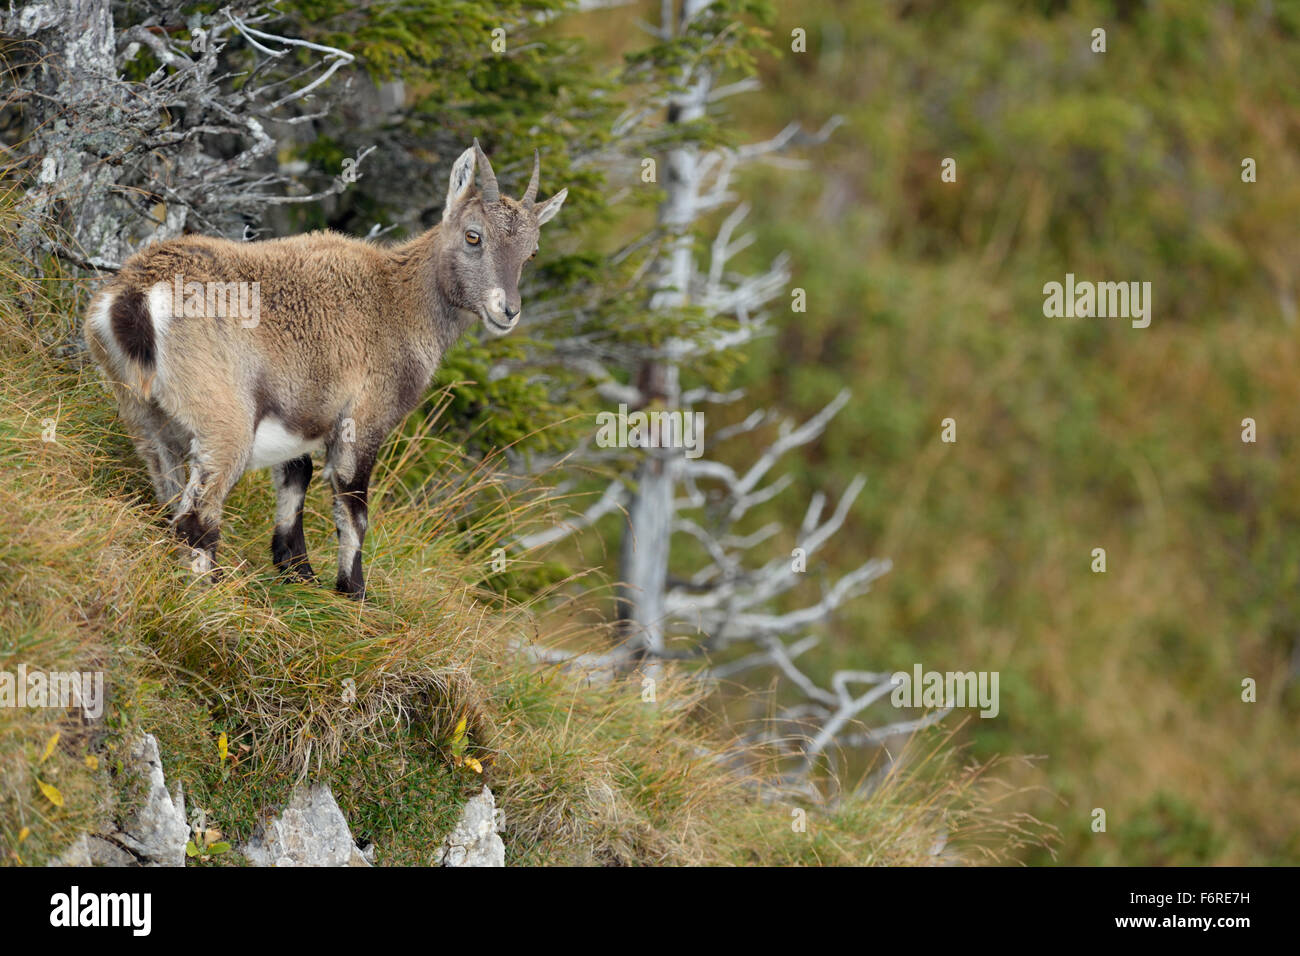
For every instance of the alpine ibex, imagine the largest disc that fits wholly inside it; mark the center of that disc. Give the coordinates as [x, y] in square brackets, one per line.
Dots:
[341, 343]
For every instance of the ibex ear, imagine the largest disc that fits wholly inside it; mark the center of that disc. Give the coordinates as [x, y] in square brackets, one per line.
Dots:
[547, 210]
[462, 180]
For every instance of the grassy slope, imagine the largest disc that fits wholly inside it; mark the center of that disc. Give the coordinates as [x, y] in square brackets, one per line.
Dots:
[584, 772]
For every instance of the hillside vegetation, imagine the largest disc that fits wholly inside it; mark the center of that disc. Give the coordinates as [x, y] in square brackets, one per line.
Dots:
[1072, 434]
[368, 698]
[926, 297]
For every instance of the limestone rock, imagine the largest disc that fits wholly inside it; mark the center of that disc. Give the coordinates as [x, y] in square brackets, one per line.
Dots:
[474, 840]
[310, 832]
[76, 855]
[157, 832]
[89, 850]
[104, 853]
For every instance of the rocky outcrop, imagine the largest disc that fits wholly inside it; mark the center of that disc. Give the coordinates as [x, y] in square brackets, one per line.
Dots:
[310, 832]
[155, 833]
[474, 840]
[95, 851]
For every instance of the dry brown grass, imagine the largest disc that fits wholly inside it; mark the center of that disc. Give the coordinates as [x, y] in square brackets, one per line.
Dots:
[368, 697]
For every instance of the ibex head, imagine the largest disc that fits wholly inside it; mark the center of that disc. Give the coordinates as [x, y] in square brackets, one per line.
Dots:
[486, 238]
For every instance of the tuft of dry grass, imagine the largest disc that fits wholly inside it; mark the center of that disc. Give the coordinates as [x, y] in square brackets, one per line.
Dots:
[380, 700]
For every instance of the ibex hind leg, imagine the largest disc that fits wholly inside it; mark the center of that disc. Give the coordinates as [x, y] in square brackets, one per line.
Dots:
[166, 472]
[288, 545]
[216, 463]
[159, 441]
[174, 442]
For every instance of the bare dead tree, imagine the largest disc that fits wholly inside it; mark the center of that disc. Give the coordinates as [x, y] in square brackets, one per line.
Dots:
[730, 600]
[115, 163]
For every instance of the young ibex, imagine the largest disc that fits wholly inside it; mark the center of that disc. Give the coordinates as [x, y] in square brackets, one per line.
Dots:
[342, 343]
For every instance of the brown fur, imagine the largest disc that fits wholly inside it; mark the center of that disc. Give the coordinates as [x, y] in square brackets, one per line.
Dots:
[348, 336]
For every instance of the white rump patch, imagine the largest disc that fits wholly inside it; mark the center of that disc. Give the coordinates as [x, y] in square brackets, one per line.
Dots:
[274, 444]
[161, 311]
[102, 323]
[159, 303]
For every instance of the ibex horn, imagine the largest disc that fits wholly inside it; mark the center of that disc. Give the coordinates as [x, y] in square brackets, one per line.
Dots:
[530, 194]
[490, 191]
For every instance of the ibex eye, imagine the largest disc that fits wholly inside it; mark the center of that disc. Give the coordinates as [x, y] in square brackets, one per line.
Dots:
[534, 255]
[472, 237]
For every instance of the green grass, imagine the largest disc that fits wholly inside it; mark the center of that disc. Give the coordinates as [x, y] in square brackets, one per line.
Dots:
[305, 684]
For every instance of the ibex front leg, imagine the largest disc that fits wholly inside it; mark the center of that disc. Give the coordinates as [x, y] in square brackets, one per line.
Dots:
[350, 477]
[288, 545]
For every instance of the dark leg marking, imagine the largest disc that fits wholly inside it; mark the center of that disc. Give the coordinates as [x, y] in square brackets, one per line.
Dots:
[193, 531]
[288, 544]
[353, 583]
[350, 518]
